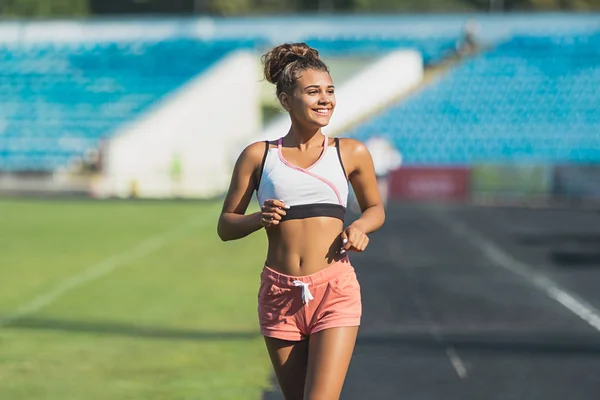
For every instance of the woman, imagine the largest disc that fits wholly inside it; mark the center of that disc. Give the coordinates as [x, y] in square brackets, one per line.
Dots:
[309, 301]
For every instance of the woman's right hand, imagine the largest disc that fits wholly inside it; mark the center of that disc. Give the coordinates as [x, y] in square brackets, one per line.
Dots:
[272, 212]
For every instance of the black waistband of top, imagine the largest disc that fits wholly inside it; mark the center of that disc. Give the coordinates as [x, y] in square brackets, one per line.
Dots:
[315, 210]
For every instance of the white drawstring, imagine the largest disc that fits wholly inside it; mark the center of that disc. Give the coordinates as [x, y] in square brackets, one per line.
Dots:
[306, 294]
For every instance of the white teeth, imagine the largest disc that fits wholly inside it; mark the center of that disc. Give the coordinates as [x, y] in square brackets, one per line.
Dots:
[322, 111]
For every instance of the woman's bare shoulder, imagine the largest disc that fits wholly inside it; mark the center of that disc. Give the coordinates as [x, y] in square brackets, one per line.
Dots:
[253, 153]
[353, 147]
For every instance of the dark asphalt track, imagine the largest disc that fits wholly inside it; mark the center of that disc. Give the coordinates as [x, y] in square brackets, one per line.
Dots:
[464, 303]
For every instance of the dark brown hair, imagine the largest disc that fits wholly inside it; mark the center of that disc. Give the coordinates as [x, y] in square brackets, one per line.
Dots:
[283, 64]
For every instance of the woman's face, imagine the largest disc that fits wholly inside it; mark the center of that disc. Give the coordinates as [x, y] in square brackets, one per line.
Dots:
[313, 99]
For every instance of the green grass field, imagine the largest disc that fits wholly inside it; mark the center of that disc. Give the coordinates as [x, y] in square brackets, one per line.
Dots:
[127, 300]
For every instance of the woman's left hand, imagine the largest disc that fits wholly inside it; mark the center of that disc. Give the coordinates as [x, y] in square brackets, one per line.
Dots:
[354, 239]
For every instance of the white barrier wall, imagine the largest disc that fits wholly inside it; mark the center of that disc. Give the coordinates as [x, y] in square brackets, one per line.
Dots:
[182, 146]
[368, 91]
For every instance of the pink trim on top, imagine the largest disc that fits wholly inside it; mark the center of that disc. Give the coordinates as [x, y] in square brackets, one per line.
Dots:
[282, 158]
[306, 170]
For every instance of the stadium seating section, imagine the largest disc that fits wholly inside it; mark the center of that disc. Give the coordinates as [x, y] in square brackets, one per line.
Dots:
[56, 100]
[529, 99]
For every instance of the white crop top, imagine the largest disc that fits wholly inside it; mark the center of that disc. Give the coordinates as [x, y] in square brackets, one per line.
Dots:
[319, 190]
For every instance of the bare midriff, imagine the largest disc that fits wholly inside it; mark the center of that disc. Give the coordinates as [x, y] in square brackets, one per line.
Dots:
[301, 247]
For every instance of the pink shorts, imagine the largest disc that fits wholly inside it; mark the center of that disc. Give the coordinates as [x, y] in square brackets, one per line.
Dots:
[292, 308]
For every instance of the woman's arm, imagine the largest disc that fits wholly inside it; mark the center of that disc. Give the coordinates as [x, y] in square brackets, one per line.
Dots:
[363, 180]
[233, 224]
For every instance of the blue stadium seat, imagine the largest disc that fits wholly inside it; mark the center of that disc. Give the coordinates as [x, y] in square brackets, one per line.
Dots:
[530, 99]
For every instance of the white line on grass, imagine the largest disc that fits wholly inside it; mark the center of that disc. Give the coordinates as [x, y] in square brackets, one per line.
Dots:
[572, 302]
[103, 267]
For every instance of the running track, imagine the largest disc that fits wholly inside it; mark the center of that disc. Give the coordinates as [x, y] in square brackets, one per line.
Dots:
[464, 302]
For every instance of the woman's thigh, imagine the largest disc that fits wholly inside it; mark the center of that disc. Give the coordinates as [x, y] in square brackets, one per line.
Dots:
[290, 360]
[329, 354]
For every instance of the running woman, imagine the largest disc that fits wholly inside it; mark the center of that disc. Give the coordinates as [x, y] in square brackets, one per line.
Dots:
[309, 300]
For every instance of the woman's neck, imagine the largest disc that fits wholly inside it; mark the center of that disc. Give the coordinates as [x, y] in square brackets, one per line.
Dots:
[304, 138]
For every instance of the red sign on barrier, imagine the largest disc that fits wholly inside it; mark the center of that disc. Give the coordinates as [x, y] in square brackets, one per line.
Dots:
[429, 183]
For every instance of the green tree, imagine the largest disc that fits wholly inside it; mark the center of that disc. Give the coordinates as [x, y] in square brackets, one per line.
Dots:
[43, 8]
[413, 5]
[230, 7]
[565, 4]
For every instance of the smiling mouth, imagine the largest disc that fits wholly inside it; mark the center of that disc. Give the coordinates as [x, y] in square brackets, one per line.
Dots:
[322, 111]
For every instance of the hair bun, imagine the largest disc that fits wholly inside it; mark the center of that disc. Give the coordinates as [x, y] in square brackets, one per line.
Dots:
[279, 57]
[303, 50]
